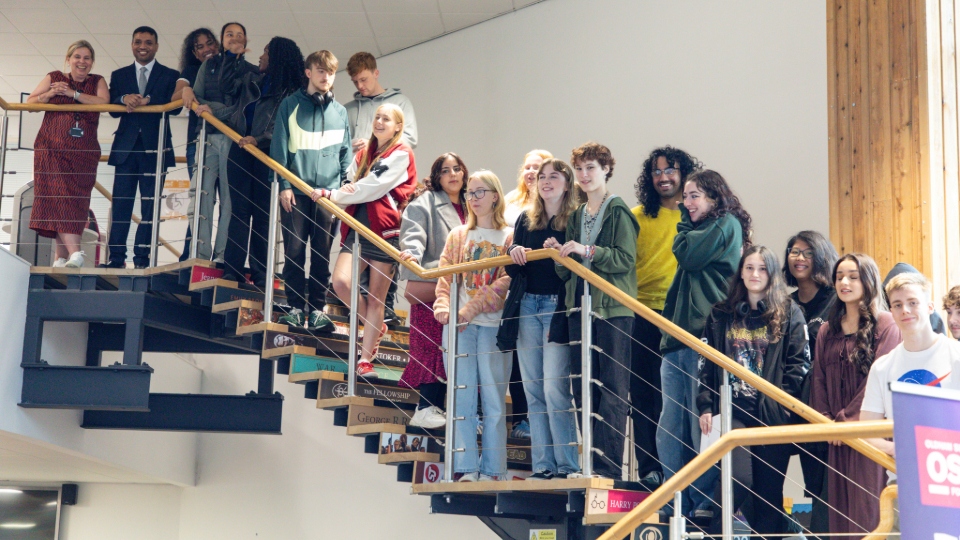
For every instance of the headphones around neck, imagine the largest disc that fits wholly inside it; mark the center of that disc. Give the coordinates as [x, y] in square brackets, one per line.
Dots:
[743, 308]
[322, 100]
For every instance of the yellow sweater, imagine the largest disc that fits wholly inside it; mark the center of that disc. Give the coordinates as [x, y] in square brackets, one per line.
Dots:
[656, 264]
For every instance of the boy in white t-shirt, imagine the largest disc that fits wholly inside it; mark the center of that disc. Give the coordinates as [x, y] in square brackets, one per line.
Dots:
[924, 357]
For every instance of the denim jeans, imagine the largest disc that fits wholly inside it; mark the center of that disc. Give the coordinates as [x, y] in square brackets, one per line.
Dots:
[545, 368]
[678, 435]
[480, 363]
[214, 184]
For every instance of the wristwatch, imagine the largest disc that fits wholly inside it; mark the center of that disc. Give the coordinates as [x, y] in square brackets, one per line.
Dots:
[76, 95]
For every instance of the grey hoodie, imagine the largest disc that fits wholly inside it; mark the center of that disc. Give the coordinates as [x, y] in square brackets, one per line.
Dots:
[362, 110]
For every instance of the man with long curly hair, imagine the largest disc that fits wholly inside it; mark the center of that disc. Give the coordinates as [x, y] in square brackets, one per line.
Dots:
[659, 191]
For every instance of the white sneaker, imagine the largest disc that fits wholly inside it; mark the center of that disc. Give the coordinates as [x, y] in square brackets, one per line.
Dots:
[469, 477]
[60, 263]
[429, 418]
[75, 260]
[488, 478]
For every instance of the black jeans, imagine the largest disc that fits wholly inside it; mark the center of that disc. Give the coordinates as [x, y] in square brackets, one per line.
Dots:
[645, 393]
[136, 171]
[762, 470]
[610, 401]
[307, 223]
[250, 221]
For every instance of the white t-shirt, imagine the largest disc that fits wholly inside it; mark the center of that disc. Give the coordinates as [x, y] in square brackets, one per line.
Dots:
[937, 366]
[482, 244]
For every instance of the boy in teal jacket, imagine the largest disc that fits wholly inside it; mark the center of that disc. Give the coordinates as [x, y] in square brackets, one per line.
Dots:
[311, 138]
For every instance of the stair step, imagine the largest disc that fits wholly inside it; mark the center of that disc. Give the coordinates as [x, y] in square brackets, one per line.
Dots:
[360, 411]
[327, 345]
[607, 506]
[408, 457]
[329, 385]
[307, 367]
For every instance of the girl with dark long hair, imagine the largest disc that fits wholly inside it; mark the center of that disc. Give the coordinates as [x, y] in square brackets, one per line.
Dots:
[762, 329]
[859, 330]
[437, 207]
[714, 228]
[257, 97]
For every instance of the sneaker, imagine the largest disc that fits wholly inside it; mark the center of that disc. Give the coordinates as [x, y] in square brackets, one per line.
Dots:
[488, 478]
[574, 475]
[75, 260]
[545, 475]
[429, 418]
[703, 514]
[521, 430]
[293, 318]
[60, 263]
[390, 318]
[365, 369]
[469, 477]
[653, 479]
[113, 264]
[320, 322]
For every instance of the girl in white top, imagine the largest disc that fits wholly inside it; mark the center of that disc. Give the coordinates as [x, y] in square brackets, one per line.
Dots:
[523, 196]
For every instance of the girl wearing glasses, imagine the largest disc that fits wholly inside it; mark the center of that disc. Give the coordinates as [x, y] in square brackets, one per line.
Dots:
[380, 180]
[806, 265]
[535, 293]
[480, 301]
[602, 235]
[858, 331]
[427, 221]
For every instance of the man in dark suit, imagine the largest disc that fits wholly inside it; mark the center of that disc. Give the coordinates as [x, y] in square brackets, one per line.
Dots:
[145, 82]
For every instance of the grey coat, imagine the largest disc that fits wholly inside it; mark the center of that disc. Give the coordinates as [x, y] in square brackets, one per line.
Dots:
[423, 231]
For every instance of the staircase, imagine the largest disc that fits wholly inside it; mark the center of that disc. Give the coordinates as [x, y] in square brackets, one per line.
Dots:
[187, 308]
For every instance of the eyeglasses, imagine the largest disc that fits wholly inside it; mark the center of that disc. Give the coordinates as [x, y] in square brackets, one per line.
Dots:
[796, 253]
[478, 194]
[669, 171]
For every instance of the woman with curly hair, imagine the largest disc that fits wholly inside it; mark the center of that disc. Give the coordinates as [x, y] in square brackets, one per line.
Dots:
[281, 74]
[859, 330]
[761, 328]
[437, 207]
[714, 228]
[659, 191]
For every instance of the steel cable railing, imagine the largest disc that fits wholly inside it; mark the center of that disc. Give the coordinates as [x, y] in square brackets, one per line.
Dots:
[790, 403]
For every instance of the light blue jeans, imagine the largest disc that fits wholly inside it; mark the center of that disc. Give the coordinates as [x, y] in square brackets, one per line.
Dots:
[480, 363]
[678, 435]
[545, 368]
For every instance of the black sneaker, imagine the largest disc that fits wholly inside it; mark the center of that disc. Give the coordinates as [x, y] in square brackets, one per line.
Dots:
[652, 480]
[113, 264]
[390, 318]
[545, 475]
[228, 276]
[319, 321]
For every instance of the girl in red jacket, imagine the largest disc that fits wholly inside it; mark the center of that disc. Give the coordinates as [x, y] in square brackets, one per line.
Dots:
[381, 179]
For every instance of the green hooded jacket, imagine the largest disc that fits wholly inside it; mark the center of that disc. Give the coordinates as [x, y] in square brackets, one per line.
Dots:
[312, 140]
[614, 260]
[708, 254]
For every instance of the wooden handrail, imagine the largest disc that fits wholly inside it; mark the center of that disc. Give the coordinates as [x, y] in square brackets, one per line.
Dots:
[106, 107]
[734, 439]
[888, 513]
[789, 402]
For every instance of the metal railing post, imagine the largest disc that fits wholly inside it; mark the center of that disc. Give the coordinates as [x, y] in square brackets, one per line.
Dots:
[726, 462]
[271, 252]
[678, 524]
[157, 190]
[354, 308]
[586, 380]
[201, 156]
[451, 369]
[3, 162]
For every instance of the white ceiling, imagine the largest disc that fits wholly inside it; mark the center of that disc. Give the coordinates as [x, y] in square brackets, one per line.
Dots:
[34, 34]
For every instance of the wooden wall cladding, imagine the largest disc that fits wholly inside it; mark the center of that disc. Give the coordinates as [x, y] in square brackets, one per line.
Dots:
[893, 130]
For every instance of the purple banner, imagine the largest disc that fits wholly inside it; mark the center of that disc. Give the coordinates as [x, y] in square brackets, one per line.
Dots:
[926, 430]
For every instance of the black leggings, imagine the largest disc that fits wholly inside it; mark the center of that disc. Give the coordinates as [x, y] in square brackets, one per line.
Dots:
[758, 473]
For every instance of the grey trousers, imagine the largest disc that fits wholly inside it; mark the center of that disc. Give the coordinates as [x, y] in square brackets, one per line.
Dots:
[215, 164]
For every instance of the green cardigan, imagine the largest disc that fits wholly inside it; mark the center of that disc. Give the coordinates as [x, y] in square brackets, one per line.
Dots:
[614, 260]
[708, 254]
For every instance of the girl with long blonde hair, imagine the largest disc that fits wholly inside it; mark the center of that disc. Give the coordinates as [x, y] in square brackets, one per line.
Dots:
[526, 191]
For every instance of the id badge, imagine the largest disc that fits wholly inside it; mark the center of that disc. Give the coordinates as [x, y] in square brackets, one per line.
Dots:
[76, 131]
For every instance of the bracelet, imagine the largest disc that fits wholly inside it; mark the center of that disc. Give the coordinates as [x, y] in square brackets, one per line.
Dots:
[588, 252]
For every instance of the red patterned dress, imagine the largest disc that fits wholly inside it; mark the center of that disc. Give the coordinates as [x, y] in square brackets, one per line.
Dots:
[65, 167]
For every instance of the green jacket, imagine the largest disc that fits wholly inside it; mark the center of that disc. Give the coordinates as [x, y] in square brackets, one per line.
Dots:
[312, 140]
[708, 254]
[614, 260]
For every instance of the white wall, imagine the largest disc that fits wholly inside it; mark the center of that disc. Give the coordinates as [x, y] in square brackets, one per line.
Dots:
[739, 84]
[123, 512]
